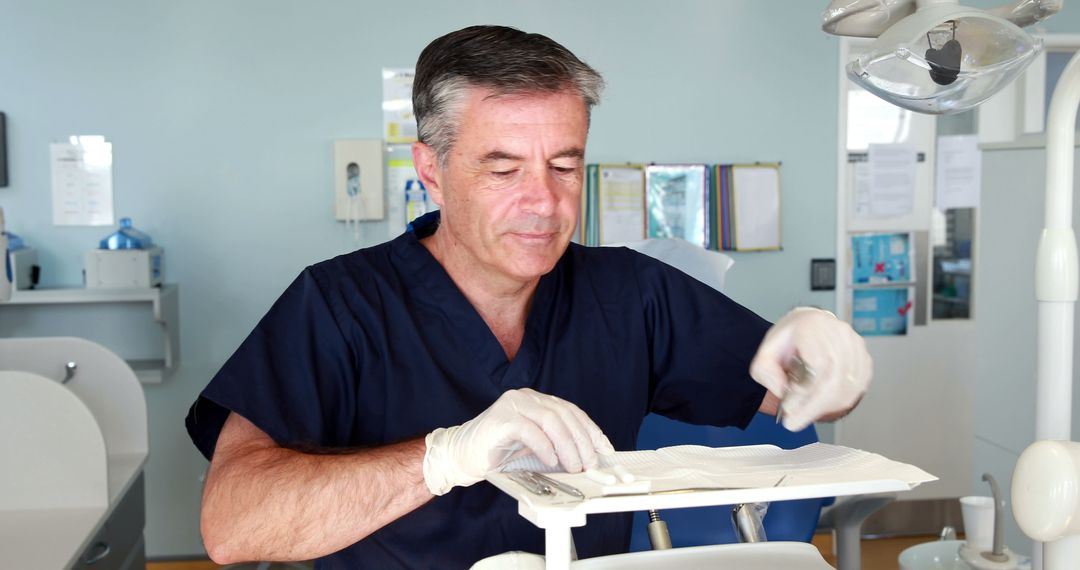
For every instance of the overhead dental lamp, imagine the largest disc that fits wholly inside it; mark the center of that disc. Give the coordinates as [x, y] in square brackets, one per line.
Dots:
[937, 56]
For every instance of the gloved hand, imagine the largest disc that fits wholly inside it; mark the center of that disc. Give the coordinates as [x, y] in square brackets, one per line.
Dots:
[841, 367]
[519, 422]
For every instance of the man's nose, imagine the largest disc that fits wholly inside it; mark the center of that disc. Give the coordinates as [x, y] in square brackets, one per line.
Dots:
[541, 193]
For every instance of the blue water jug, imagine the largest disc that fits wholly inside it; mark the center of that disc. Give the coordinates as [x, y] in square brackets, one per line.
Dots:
[127, 237]
[15, 243]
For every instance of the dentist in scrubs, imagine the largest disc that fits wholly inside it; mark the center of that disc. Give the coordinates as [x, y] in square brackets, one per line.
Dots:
[355, 423]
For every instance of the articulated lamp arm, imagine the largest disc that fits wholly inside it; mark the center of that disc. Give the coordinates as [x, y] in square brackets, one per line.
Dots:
[868, 18]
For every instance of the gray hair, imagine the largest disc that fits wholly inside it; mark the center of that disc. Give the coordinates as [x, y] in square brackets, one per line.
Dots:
[505, 60]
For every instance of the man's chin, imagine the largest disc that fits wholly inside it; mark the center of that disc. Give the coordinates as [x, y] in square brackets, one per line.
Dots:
[532, 265]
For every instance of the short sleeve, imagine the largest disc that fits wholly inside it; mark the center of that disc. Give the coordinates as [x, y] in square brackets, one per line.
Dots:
[701, 344]
[293, 377]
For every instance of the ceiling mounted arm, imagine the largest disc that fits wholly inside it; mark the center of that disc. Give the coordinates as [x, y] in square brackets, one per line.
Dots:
[864, 18]
[1024, 13]
[870, 18]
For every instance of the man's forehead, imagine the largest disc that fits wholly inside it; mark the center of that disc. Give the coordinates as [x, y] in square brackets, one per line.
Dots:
[481, 97]
[508, 126]
[497, 154]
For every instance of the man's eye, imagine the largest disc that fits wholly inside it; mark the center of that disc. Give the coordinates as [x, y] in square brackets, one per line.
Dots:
[503, 173]
[564, 169]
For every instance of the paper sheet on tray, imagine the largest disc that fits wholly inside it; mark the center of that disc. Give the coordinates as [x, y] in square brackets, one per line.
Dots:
[694, 466]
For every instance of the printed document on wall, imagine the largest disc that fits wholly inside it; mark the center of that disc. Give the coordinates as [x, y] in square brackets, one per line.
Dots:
[675, 196]
[399, 122]
[82, 192]
[757, 207]
[880, 258]
[622, 204]
[863, 196]
[882, 311]
[892, 180]
[959, 172]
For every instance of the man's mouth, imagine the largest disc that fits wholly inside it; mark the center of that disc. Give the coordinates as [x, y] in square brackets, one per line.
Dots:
[534, 236]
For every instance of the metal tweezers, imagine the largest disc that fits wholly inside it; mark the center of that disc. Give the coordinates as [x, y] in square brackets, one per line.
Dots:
[543, 485]
[799, 374]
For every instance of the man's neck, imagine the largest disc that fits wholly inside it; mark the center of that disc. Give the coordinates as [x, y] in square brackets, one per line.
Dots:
[503, 303]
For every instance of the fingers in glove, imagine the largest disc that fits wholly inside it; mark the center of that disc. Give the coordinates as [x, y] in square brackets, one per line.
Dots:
[766, 369]
[600, 442]
[796, 417]
[558, 433]
[505, 453]
[835, 393]
[866, 364]
[579, 429]
[821, 356]
[536, 439]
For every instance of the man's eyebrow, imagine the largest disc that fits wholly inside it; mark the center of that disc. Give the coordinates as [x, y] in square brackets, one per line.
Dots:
[496, 155]
[572, 152]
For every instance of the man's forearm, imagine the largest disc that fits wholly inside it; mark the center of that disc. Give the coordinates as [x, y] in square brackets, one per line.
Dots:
[271, 503]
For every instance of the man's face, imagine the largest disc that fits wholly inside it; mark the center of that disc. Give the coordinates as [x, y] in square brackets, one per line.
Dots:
[511, 186]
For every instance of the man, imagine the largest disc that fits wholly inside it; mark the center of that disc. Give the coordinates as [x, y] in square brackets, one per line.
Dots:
[328, 428]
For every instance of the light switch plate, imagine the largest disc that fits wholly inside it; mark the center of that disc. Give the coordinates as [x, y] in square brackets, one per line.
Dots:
[822, 274]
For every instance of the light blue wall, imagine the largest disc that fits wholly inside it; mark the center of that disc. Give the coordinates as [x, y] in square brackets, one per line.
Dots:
[222, 117]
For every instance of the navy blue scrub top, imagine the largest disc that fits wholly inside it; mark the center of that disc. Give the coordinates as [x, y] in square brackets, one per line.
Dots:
[379, 346]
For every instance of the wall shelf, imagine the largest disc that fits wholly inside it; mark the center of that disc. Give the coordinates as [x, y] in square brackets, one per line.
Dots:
[164, 301]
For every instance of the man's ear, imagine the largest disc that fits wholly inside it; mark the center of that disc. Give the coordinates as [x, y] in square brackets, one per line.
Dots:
[426, 162]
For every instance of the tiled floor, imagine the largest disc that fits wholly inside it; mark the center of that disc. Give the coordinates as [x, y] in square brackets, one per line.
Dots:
[877, 554]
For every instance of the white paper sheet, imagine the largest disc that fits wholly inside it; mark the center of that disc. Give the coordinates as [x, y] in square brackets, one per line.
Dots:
[959, 172]
[622, 204]
[399, 122]
[757, 207]
[864, 191]
[82, 192]
[892, 180]
[692, 466]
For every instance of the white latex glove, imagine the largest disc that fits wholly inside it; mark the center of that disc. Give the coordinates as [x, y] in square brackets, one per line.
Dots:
[519, 422]
[836, 354]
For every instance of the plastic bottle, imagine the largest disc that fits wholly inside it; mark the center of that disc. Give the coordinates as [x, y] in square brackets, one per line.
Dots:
[6, 276]
[127, 237]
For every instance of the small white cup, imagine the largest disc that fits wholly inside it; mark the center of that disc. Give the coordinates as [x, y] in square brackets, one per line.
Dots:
[978, 515]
